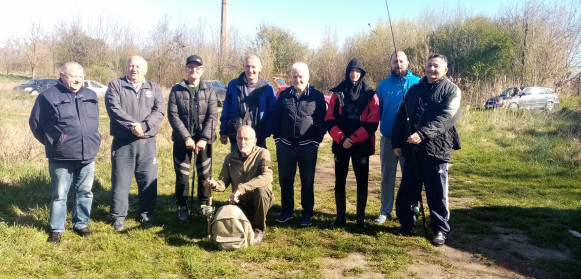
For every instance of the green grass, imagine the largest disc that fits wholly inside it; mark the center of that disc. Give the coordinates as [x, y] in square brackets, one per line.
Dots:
[519, 171]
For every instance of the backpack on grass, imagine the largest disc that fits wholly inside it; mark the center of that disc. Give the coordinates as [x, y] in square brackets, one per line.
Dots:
[231, 229]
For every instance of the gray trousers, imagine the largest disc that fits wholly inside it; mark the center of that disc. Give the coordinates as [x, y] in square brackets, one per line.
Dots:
[388, 172]
[140, 159]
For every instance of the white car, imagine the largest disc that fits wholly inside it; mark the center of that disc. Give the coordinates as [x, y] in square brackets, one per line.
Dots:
[100, 89]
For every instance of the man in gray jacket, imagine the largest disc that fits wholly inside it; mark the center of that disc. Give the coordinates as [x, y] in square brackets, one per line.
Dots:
[135, 107]
[192, 112]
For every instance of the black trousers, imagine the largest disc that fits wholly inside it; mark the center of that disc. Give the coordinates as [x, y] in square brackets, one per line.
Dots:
[182, 158]
[361, 169]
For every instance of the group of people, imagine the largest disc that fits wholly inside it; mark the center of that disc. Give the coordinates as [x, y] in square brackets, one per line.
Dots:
[417, 125]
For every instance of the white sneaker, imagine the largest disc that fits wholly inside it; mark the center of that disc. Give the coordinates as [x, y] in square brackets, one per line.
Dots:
[381, 219]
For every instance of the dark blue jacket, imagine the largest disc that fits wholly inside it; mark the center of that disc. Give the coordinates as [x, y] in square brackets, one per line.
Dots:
[266, 103]
[297, 120]
[67, 124]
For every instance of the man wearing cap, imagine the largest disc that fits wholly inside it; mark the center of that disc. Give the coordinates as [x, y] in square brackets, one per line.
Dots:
[250, 100]
[135, 107]
[192, 112]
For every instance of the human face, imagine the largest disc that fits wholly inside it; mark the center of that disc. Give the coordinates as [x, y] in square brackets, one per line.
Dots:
[299, 79]
[355, 74]
[136, 69]
[436, 69]
[252, 67]
[194, 71]
[73, 78]
[246, 140]
[399, 64]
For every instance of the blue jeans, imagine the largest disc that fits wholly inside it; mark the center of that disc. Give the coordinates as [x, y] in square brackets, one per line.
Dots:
[288, 158]
[63, 174]
[388, 172]
[139, 159]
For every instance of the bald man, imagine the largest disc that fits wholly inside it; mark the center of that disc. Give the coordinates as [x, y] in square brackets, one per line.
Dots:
[65, 119]
[135, 107]
[249, 171]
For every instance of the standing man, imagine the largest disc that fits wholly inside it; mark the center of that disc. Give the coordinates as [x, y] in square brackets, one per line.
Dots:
[389, 92]
[192, 112]
[298, 128]
[249, 171]
[65, 119]
[135, 107]
[426, 141]
[250, 100]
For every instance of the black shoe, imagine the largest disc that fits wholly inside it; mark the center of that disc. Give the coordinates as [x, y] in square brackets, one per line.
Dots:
[439, 239]
[183, 214]
[258, 237]
[337, 224]
[54, 237]
[363, 227]
[84, 232]
[283, 218]
[118, 224]
[146, 222]
[404, 231]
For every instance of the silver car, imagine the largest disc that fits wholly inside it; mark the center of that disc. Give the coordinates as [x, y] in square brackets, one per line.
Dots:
[100, 89]
[534, 98]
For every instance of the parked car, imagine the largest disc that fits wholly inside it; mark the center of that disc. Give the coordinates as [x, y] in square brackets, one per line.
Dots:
[35, 86]
[527, 98]
[220, 89]
[99, 88]
[498, 101]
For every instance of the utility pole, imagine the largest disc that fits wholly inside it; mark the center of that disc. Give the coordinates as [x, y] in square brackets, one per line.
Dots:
[224, 33]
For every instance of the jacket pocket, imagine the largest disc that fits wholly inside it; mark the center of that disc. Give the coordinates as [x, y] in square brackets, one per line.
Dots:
[91, 107]
[65, 109]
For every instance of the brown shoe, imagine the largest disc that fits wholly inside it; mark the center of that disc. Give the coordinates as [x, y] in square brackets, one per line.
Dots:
[84, 232]
[54, 237]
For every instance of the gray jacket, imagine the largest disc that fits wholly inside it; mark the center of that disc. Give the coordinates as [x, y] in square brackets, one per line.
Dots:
[179, 113]
[125, 106]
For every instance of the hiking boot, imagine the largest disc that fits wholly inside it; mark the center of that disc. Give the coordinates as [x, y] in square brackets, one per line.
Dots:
[54, 237]
[118, 224]
[404, 231]
[439, 239]
[381, 219]
[258, 237]
[283, 218]
[363, 227]
[84, 232]
[183, 214]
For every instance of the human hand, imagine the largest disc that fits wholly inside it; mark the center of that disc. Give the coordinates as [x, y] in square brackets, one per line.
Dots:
[234, 197]
[210, 183]
[414, 138]
[397, 151]
[137, 130]
[224, 139]
[190, 143]
[348, 143]
[200, 145]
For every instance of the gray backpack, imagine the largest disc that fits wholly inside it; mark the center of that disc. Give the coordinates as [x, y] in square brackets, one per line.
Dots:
[231, 229]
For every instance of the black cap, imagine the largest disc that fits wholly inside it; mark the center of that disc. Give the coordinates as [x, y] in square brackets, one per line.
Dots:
[194, 59]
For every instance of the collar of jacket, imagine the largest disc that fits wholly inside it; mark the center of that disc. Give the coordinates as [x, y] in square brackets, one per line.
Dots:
[144, 85]
[307, 91]
[185, 84]
[408, 74]
[238, 156]
[241, 80]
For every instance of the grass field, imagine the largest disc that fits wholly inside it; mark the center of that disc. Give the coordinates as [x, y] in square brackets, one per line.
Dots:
[515, 192]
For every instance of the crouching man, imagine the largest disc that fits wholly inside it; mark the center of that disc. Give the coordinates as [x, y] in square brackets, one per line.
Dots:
[249, 171]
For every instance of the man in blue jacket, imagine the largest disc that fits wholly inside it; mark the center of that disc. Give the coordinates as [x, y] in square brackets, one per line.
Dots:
[135, 107]
[389, 92]
[250, 100]
[65, 119]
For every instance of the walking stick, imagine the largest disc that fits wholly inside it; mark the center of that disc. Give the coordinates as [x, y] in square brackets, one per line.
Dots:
[194, 159]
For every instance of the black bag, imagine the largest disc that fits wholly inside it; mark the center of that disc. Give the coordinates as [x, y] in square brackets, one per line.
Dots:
[232, 127]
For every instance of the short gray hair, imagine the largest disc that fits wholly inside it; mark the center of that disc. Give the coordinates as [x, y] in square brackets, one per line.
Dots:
[300, 66]
[69, 65]
[253, 57]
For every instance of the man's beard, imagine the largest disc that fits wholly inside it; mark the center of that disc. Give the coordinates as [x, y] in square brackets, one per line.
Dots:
[399, 74]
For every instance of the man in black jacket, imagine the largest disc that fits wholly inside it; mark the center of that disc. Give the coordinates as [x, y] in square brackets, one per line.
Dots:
[298, 127]
[65, 119]
[192, 112]
[427, 140]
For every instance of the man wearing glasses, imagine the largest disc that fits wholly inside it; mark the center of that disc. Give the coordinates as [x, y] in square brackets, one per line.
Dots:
[193, 114]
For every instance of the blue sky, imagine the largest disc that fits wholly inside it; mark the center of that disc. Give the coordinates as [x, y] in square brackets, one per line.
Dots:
[307, 19]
